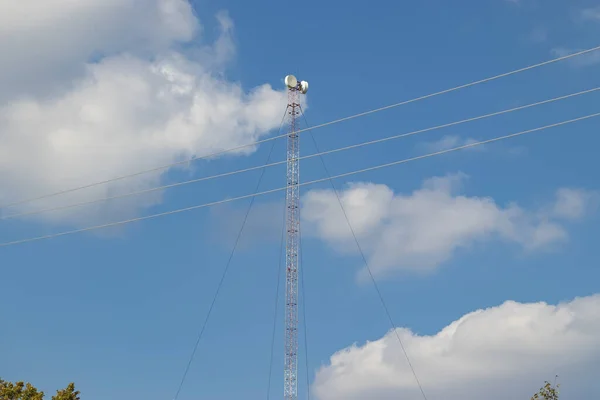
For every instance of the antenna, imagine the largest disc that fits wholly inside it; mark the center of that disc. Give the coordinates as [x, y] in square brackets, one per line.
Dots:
[291, 82]
[303, 87]
[292, 199]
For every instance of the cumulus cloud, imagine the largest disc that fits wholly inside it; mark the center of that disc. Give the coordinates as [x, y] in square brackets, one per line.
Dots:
[497, 353]
[116, 96]
[422, 230]
[45, 43]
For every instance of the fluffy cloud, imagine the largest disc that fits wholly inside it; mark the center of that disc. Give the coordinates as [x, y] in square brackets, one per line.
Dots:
[140, 103]
[421, 230]
[46, 42]
[497, 353]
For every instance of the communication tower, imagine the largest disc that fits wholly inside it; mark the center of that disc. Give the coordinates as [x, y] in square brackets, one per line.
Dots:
[292, 199]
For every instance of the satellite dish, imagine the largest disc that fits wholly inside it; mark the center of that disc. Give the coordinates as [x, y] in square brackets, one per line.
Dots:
[303, 87]
[291, 81]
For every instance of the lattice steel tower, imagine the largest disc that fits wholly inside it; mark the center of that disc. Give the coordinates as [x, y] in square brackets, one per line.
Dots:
[292, 198]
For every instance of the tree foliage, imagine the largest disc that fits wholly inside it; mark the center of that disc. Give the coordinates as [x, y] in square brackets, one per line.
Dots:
[547, 392]
[67, 394]
[19, 391]
[26, 391]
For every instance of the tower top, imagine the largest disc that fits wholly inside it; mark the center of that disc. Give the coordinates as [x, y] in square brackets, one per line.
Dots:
[292, 83]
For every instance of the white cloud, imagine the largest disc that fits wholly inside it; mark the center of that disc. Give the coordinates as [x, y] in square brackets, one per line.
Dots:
[44, 43]
[574, 203]
[142, 104]
[450, 141]
[584, 60]
[422, 230]
[497, 353]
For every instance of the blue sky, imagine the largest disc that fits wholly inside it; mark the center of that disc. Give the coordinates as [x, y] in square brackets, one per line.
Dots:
[118, 314]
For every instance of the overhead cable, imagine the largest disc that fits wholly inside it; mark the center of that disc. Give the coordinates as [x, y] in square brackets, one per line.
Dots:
[167, 166]
[225, 270]
[367, 266]
[319, 154]
[229, 200]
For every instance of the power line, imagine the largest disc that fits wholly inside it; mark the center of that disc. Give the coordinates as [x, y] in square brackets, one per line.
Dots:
[163, 167]
[319, 154]
[222, 280]
[376, 167]
[362, 254]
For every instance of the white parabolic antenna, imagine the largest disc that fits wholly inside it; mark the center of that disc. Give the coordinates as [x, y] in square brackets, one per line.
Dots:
[291, 81]
[303, 87]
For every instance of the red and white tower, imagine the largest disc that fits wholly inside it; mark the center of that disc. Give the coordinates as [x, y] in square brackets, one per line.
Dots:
[292, 199]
